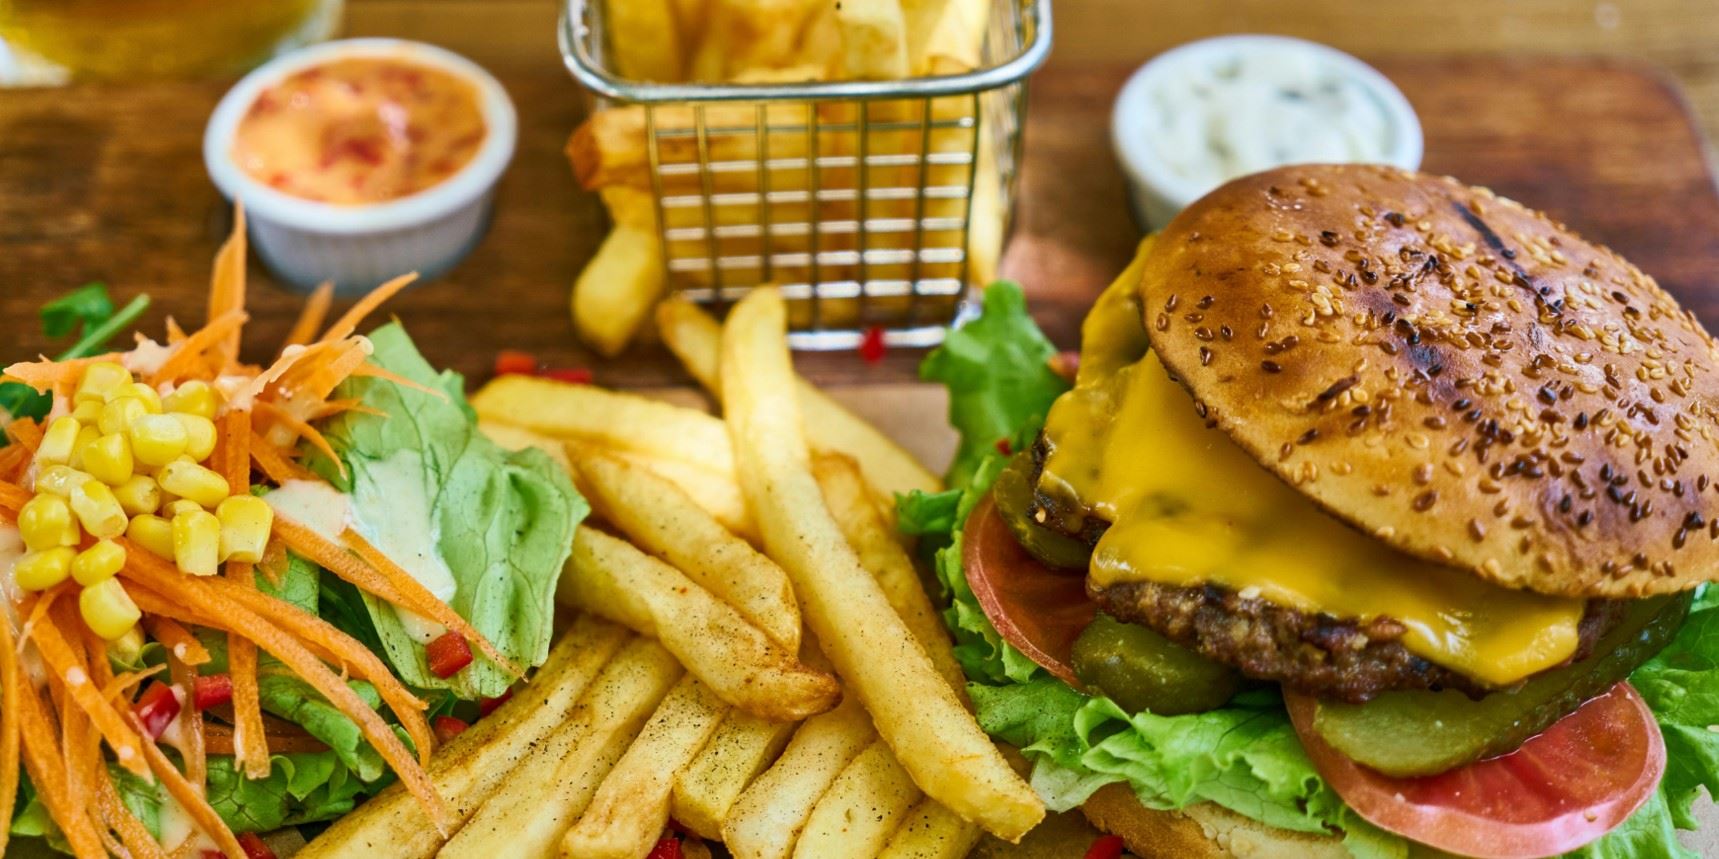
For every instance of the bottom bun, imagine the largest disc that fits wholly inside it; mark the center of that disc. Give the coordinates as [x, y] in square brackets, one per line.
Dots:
[1202, 831]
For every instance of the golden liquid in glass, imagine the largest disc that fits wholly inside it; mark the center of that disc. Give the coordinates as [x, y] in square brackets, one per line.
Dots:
[161, 38]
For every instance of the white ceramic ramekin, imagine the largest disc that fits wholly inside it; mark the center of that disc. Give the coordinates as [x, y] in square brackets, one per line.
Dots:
[1158, 193]
[305, 242]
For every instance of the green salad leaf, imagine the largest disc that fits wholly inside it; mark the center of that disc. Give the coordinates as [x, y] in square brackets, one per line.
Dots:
[89, 311]
[1245, 756]
[997, 370]
[501, 521]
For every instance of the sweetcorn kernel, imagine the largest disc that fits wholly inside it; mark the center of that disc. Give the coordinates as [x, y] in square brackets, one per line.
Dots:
[195, 397]
[100, 378]
[153, 533]
[97, 509]
[199, 435]
[87, 435]
[59, 480]
[46, 522]
[88, 411]
[180, 505]
[38, 571]
[189, 480]
[117, 415]
[98, 563]
[140, 494]
[59, 441]
[245, 524]
[139, 391]
[158, 439]
[128, 648]
[197, 543]
[108, 459]
[108, 609]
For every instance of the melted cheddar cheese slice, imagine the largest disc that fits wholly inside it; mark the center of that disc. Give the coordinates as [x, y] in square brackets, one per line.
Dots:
[1188, 507]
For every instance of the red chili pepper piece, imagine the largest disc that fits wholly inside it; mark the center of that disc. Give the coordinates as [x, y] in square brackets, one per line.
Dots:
[872, 346]
[447, 727]
[447, 655]
[509, 361]
[1004, 448]
[1106, 847]
[667, 848]
[255, 847]
[1065, 364]
[156, 708]
[488, 705]
[212, 690]
[570, 375]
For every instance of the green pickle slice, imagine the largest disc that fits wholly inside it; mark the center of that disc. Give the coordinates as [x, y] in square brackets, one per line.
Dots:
[1424, 733]
[1013, 492]
[1141, 670]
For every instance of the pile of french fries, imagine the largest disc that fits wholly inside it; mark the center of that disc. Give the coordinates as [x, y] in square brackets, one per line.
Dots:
[781, 41]
[751, 653]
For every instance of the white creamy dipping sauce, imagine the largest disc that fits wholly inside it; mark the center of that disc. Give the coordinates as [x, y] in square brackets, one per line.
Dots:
[1217, 115]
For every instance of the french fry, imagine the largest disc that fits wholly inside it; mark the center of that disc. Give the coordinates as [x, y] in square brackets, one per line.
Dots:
[874, 39]
[758, 34]
[716, 492]
[510, 437]
[862, 808]
[932, 831]
[696, 339]
[608, 418]
[690, 20]
[549, 790]
[469, 770]
[741, 748]
[882, 555]
[916, 712]
[609, 577]
[945, 36]
[661, 519]
[768, 817]
[615, 292]
[630, 207]
[645, 39]
[631, 807]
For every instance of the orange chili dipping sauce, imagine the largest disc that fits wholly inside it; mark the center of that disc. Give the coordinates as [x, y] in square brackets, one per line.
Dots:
[360, 130]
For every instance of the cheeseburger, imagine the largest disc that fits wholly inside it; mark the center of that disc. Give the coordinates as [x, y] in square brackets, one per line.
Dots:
[1371, 496]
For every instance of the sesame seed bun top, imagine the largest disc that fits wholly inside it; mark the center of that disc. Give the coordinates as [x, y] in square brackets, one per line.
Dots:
[1458, 375]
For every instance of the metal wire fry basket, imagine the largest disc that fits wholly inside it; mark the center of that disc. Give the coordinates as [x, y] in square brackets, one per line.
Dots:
[873, 205]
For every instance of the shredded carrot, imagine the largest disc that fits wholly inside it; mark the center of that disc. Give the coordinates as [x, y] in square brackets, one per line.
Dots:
[336, 559]
[14, 459]
[421, 601]
[192, 733]
[183, 792]
[216, 609]
[72, 671]
[321, 379]
[42, 761]
[348, 321]
[36, 608]
[247, 703]
[11, 686]
[219, 740]
[118, 688]
[306, 431]
[227, 287]
[375, 372]
[12, 499]
[277, 371]
[232, 456]
[310, 319]
[25, 433]
[187, 359]
[79, 758]
[178, 640]
[273, 566]
[175, 334]
[342, 406]
[274, 464]
[44, 374]
[132, 833]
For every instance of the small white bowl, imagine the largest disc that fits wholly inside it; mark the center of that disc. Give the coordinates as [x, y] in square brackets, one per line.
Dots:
[1158, 192]
[306, 242]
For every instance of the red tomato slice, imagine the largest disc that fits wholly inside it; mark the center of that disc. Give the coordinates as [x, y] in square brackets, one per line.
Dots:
[1560, 790]
[1039, 610]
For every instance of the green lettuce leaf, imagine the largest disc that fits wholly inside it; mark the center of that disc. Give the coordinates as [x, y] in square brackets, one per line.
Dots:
[997, 369]
[503, 522]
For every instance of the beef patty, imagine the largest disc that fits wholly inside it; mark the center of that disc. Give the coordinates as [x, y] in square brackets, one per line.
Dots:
[1347, 660]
